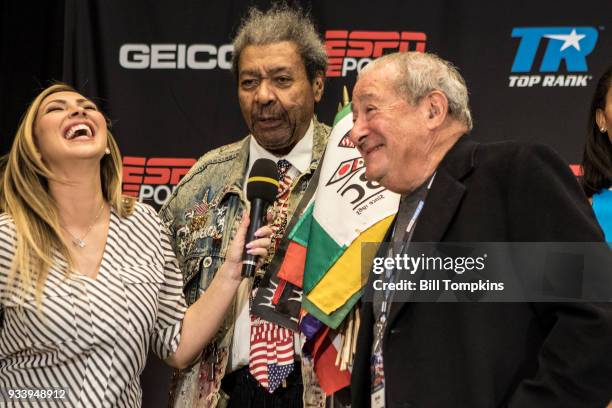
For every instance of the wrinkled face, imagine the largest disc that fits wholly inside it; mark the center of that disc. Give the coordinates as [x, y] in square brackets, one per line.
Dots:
[69, 126]
[276, 98]
[604, 116]
[389, 133]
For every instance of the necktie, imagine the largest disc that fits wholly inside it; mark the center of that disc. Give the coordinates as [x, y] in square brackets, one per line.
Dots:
[271, 357]
[283, 167]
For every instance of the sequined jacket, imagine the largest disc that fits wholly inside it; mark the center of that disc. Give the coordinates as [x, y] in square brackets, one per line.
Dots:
[202, 216]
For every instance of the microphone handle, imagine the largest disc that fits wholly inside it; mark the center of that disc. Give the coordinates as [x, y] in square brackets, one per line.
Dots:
[257, 216]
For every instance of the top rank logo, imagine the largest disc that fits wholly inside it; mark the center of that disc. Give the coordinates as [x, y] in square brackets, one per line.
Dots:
[570, 45]
[350, 51]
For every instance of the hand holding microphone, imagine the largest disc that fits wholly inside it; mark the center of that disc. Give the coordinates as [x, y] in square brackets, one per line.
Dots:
[261, 191]
[262, 187]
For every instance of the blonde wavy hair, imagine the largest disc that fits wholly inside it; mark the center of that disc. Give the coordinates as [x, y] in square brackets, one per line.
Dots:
[24, 195]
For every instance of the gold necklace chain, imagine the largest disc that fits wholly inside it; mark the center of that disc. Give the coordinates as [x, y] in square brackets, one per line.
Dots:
[80, 242]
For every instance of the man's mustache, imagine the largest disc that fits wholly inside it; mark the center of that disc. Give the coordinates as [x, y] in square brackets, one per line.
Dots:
[268, 113]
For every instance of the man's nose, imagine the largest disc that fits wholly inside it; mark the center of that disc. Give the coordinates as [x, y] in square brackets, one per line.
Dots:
[265, 93]
[359, 132]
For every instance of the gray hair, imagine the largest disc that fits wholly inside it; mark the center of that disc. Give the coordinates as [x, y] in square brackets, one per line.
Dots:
[420, 73]
[282, 23]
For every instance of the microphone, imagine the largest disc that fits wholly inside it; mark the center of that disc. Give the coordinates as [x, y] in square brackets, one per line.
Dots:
[262, 187]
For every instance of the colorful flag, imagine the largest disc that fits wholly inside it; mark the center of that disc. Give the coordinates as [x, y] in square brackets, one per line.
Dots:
[345, 211]
[271, 354]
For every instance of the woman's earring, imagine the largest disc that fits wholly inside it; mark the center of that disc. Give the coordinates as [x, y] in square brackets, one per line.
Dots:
[602, 130]
[107, 151]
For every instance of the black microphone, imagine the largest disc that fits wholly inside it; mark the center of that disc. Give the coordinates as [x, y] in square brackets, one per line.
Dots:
[262, 187]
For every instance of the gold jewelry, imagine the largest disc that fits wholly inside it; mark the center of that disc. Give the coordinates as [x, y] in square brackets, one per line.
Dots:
[602, 130]
[80, 242]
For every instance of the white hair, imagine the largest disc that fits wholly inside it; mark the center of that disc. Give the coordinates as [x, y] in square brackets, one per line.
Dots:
[420, 73]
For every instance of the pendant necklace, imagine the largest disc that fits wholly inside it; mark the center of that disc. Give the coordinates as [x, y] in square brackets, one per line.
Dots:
[80, 242]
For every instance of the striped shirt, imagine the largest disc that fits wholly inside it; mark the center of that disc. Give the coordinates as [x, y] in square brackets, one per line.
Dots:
[93, 335]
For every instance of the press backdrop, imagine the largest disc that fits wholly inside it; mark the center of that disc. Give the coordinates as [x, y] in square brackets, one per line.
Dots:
[160, 70]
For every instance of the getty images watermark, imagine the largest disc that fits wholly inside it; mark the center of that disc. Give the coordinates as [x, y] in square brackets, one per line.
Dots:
[488, 272]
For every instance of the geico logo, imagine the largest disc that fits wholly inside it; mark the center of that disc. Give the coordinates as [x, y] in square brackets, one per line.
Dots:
[175, 56]
[352, 50]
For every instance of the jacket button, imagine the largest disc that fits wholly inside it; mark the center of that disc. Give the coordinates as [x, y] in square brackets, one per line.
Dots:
[207, 262]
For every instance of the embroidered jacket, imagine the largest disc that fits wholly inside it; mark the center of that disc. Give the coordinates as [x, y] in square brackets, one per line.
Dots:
[202, 216]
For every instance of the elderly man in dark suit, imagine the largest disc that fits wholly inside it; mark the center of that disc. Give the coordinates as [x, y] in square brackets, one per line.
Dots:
[411, 114]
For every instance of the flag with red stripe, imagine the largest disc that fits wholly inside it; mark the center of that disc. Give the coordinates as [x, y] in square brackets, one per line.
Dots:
[271, 356]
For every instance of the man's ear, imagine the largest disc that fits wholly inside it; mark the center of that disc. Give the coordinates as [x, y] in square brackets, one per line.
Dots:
[436, 106]
[318, 84]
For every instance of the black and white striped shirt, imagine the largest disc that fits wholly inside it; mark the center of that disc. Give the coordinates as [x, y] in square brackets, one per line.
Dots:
[93, 335]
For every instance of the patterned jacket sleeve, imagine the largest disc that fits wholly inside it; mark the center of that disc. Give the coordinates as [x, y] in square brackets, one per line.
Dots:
[172, 307]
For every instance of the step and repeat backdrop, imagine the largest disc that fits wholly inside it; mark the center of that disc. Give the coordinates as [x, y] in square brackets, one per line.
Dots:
[161, 71]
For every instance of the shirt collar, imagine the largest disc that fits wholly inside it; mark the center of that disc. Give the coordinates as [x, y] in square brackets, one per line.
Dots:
[299, 157]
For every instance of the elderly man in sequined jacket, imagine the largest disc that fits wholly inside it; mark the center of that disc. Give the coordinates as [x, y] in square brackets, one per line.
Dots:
[279, 62]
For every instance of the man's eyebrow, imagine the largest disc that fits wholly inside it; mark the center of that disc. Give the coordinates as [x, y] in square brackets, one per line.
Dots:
[365, 98]
[251, 72]
[368, 95]
[270, 71]
[276, 70]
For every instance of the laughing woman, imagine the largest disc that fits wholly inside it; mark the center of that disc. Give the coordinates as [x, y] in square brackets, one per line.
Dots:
[88, 279]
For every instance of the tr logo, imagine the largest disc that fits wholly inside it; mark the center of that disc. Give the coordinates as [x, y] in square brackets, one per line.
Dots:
[569, 44]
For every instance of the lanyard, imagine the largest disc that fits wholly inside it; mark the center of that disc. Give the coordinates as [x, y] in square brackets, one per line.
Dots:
[389, 273]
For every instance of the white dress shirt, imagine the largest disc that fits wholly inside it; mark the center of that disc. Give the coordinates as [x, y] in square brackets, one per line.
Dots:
[299, 157]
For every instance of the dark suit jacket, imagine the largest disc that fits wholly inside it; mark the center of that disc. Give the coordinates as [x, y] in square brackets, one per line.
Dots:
[481, 355]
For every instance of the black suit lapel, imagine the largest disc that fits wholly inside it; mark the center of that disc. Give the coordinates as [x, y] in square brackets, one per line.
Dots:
[440, 207]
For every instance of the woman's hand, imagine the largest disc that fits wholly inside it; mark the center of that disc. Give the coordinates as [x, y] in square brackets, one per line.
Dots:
[258, 247]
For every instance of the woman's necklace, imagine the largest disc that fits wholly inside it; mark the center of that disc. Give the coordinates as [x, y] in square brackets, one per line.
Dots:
[80, 242]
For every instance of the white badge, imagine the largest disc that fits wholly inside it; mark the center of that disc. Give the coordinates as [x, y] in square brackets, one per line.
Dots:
[378, 398]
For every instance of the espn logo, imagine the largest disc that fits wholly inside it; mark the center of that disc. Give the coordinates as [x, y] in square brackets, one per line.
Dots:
[349, 51]
[152, 178]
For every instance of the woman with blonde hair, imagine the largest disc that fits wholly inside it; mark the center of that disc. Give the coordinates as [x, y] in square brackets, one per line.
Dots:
[88, 279]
